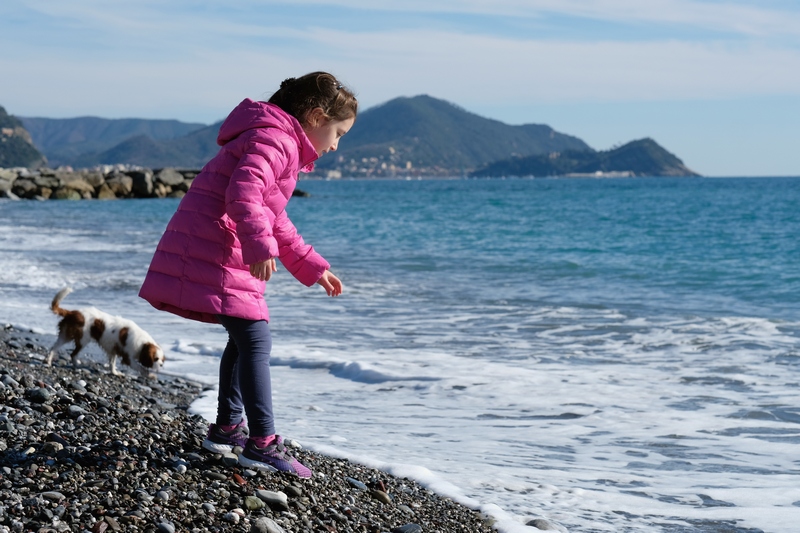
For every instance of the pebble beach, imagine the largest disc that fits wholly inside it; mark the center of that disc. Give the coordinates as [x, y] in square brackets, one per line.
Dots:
[83, 450]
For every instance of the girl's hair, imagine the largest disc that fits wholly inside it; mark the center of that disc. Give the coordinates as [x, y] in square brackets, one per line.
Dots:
[298, 96]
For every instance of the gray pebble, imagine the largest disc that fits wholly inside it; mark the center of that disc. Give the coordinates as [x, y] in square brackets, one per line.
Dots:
[165, 527]
[408, 528]
[266, 525]
[277, 501]
[356, 483]
[545, 525]
[38, 395]
[53, 496]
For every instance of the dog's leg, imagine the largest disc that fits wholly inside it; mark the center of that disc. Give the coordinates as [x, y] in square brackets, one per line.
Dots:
[112, 359]
[58, 344]
[75, 352]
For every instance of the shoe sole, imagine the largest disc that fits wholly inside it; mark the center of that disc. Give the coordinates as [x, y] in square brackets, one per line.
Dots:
[251, 463]
[216, 447]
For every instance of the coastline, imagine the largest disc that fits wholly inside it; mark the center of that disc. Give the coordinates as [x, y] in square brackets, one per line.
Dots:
[82, 450]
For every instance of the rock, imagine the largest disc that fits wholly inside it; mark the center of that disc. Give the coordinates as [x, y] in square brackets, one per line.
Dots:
[160, 190]
[142, 182]
[38, 395]
[169, 176]
[230, 459]
[355, 483]
[277, 501]
[51, 448]
[120, 184]
[51, 182]
[253, 503]
[165, 527]
[53, 496]
[79, 184]
[233, 518]
[104, 192]
[380, 496]
[93, 178]
[545, 525]
[8, 174]
[408, 528]
[265, 525]
[67, 194]
[24, 188]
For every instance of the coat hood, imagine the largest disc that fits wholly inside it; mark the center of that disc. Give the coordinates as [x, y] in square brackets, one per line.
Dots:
[250, 114]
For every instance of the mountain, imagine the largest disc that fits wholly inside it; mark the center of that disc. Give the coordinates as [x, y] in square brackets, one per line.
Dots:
[643, 157]
[422, 135]
[16, 145]
[190, 151]
[64, 140]
[407, 136]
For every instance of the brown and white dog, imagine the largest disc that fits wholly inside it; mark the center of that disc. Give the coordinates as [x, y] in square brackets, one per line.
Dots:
[117, 336]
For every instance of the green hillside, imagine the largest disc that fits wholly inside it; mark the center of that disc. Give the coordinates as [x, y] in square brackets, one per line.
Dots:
[16, 148]
[190, 151]
[435, 137]
[65, 140]
[643, 157]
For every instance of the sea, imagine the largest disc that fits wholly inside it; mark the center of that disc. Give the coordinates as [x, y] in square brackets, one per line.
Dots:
[607, 355]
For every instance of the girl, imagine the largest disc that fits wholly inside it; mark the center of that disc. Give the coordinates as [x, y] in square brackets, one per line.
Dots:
[220, 246]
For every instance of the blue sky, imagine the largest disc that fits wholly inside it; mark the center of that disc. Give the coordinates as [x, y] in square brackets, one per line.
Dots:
[716, 82]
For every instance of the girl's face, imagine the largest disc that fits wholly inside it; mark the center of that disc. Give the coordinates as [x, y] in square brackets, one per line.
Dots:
[324, 133]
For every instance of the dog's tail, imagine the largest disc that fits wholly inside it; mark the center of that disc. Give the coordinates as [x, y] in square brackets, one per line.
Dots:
[55, 306]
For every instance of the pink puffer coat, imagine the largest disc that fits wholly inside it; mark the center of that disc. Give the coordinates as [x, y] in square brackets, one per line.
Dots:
[233, 216]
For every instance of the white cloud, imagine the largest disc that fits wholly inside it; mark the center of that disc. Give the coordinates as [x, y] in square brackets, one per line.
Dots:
[382, 65]
[752, 18]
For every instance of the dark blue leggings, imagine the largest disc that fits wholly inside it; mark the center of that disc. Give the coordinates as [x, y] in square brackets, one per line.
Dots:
[244, 376]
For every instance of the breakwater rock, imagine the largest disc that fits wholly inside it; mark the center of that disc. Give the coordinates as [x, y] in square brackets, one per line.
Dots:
[82, 450]
[105, 183]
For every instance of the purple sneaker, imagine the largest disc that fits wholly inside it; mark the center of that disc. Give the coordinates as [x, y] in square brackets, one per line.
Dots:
[273, 458]
[219, 441]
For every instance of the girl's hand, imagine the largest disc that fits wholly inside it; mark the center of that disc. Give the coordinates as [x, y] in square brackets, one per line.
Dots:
[264, 269]
[331, 283]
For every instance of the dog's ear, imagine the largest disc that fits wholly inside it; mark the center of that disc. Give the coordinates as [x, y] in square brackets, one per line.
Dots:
[148, 354]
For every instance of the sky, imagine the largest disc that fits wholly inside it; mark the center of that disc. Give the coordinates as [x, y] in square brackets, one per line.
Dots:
[715, 82]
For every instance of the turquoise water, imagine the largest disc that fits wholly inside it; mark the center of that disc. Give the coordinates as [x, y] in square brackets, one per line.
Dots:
[611, 355]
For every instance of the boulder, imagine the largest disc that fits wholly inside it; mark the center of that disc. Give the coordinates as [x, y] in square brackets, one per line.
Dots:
[78, 184]
[8, 174]
[161, 191]
[50, 182]
[184, 185]
[104, 192]
[142, 182]
[93, 178]
[25, 188]
[169, 176]
[120, 184]
[67, 194]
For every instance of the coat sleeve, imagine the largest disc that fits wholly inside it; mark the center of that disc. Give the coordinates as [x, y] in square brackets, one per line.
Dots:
[262, 160]
[299, 258]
